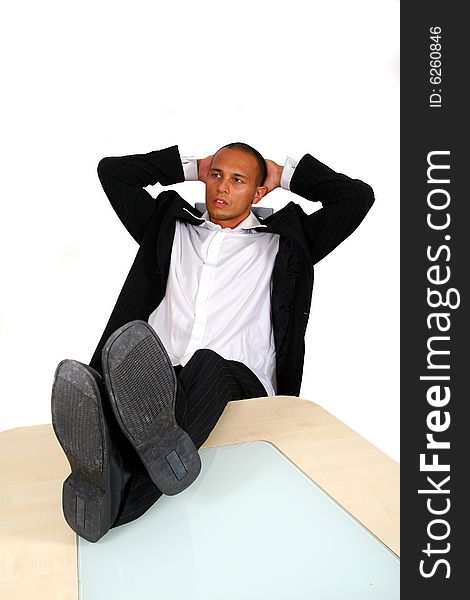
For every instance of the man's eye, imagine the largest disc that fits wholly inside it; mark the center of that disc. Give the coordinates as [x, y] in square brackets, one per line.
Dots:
[215, 174]
[238, 180]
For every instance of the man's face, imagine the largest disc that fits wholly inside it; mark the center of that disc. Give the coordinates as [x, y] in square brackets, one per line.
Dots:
[231, 187]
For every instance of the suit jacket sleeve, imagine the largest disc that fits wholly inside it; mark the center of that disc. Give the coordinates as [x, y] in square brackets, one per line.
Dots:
[345, 203]
[124, 178]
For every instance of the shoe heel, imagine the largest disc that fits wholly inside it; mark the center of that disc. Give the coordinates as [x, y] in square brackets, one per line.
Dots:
[86, 508]
[172, 461]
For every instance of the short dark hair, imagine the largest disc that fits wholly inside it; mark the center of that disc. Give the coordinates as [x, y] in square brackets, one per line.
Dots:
[262, 168]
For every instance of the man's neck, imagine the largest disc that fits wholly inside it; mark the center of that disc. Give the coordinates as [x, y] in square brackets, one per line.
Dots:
[232, 223]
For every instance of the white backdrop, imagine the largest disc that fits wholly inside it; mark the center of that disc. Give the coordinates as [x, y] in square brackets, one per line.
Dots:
[94, 79]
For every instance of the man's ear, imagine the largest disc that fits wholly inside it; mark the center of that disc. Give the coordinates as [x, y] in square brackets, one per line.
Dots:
[261, 191]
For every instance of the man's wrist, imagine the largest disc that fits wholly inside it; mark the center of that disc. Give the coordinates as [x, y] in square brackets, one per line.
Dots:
[280, 170]
[198, 166]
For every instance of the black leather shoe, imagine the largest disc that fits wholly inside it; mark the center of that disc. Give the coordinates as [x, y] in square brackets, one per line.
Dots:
[80, 426]
[141, 385]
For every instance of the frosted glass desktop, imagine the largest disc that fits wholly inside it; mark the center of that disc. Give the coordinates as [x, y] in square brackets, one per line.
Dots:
[251, 527]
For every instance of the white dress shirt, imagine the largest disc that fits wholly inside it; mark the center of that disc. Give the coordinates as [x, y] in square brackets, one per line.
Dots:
[218, 293]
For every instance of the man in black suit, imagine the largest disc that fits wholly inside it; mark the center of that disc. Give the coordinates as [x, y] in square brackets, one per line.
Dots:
[214, 309]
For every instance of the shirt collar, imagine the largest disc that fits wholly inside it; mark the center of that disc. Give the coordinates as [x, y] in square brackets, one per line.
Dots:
[251, 222]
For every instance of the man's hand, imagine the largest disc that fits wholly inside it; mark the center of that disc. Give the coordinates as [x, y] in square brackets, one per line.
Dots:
[273, 178]
[203, 165]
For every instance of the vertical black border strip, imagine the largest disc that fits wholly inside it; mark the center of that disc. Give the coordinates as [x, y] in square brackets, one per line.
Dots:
[425, 129]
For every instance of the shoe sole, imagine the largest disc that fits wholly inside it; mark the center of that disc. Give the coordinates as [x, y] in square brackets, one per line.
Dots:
[141, 385]
[80, 427]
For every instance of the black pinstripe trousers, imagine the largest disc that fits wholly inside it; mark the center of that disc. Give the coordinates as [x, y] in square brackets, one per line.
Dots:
[205, 385]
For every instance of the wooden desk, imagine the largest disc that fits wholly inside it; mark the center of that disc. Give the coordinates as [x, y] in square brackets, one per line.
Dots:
[37, 548]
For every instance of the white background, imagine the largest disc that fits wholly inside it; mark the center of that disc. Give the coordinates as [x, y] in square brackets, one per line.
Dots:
[93, 79]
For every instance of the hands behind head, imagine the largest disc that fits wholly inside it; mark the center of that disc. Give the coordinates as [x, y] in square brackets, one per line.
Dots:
[203, 165]
[273, 178]
[272, 181]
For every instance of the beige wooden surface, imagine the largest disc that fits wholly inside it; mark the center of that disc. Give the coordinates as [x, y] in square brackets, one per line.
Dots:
[37, 548]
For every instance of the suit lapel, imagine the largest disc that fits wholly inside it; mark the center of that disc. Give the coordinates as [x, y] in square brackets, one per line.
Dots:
[286, 223]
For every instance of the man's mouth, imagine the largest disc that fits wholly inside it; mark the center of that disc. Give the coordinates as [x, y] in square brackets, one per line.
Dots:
[219, 201]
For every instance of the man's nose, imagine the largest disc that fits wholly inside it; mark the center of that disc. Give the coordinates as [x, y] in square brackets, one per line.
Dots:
[223, 185]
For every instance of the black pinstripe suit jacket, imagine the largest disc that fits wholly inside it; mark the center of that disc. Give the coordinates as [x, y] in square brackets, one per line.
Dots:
[304, 240]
